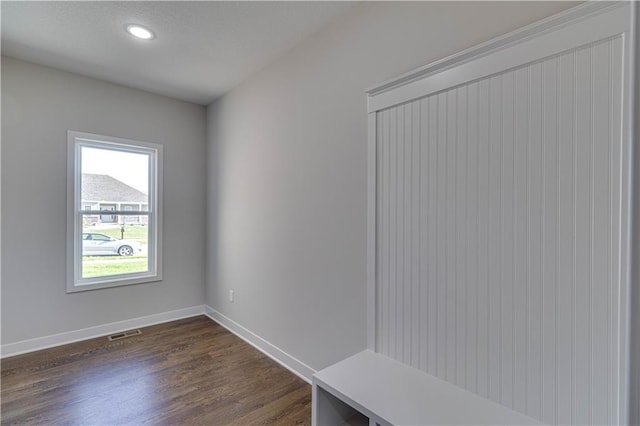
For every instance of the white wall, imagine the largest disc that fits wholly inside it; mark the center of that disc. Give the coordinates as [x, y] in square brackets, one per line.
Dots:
[287, 170]
[39, 105]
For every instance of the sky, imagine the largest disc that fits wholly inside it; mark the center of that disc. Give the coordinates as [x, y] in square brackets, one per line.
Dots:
[130, 168]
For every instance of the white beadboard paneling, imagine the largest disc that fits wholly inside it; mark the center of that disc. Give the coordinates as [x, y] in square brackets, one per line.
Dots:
[441, 241]
[432, 237]
[374, 162]
[582, 214]
[408, 228]
[482, 279]
[392, 252]
[471, 244]
[601, 236]
[451, 228]
[416, 151]
[460, 236]
[551, 297]
[566, 281]
[535, 272]
[495, 234]
[507, 283]
[425, 294]
[498, 221]
[521, 244]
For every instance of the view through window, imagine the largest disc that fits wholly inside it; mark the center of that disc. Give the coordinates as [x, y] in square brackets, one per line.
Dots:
[114, 181]
[115, 212]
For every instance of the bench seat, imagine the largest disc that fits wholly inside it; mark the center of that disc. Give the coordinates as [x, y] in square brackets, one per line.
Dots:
[370, 388]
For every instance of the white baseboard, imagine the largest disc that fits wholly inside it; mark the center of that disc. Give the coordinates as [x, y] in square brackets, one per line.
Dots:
[292, 364]
[289, 362]
[45, 342]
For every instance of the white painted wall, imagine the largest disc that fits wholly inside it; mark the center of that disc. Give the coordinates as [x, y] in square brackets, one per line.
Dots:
[287, 178]
[39, 105]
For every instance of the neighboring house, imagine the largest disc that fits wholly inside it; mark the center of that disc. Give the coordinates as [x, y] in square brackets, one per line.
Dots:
[103, 192]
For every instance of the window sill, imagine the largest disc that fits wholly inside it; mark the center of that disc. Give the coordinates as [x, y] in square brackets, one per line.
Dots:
[112, 281]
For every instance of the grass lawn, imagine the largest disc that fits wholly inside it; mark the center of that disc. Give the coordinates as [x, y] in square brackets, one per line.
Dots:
[114, 257]
[131, 232]
[100, 266]
[117, 266]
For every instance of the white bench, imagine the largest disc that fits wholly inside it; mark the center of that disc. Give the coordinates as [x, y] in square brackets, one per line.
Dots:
[372, 389]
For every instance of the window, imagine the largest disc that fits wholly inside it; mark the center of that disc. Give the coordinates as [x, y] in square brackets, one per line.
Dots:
[114, 219]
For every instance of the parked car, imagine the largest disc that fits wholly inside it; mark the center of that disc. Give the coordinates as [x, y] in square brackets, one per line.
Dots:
[94, 243]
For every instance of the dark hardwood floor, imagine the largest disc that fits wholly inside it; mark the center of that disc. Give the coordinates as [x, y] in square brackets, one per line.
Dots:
[191, 371]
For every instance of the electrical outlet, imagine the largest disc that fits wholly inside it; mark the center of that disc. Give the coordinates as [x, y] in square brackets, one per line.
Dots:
[231, 296]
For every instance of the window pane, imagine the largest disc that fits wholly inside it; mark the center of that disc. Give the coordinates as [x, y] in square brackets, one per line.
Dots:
[113, 179]
[114, 249]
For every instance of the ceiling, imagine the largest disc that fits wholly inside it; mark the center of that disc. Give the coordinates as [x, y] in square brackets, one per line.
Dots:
[201, 50]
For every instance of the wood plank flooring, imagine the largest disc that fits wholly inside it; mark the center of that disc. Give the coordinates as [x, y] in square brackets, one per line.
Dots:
[191, 371]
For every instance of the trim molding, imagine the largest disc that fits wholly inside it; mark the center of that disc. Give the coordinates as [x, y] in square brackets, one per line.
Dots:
[289, 362]
[590, 22]
[45, 342]
[634, 290]
[549, 23]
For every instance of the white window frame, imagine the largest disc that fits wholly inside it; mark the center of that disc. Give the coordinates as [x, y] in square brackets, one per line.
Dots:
[75, 142]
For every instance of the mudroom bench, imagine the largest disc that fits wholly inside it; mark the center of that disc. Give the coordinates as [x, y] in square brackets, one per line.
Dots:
[372, 389]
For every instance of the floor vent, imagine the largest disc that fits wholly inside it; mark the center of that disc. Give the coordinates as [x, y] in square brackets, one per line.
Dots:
[124, 334]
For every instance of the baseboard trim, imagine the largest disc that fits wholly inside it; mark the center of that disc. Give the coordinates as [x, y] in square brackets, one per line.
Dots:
[289, 362]
[31, 345]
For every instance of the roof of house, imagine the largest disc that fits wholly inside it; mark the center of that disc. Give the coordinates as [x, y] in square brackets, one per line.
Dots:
[106, 188]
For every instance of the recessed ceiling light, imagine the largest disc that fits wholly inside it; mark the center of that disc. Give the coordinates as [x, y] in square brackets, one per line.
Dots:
[139, 31]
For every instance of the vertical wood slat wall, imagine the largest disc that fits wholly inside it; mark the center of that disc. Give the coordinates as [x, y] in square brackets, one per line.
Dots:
[498, 234]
